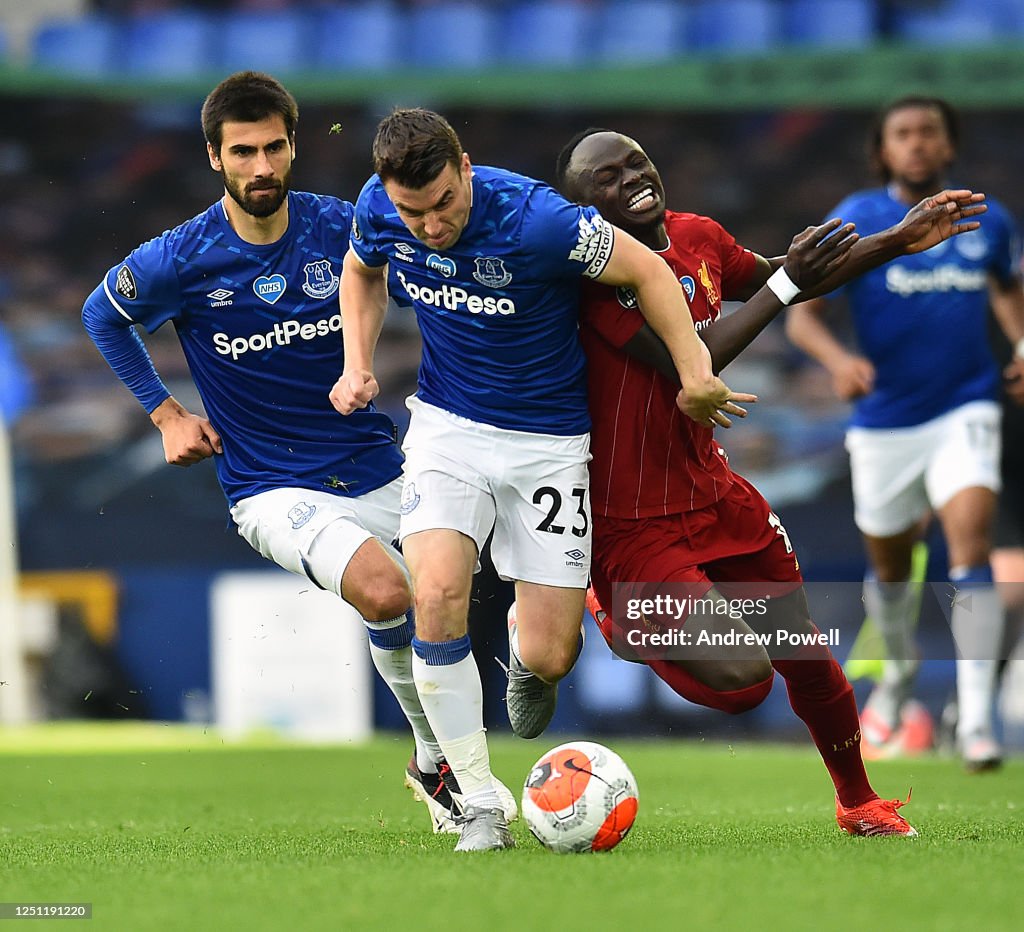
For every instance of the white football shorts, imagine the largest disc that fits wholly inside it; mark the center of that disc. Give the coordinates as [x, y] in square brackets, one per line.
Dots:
[532, 489]
[902, 474]
[316, 534]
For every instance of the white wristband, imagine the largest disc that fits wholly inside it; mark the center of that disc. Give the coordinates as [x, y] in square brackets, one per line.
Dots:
[782, 286]
[1018, 349]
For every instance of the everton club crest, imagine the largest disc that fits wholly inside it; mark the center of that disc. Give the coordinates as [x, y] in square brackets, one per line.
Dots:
[491, 272]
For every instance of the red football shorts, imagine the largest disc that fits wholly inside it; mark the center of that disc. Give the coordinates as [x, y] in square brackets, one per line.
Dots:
[737, 545]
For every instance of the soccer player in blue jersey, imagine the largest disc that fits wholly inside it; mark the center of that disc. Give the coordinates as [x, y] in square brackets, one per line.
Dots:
[251, 287]
[491, 262]
[925, 431]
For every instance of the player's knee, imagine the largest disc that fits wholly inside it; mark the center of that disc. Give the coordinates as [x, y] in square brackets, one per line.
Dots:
[386, 597]
[440, 599]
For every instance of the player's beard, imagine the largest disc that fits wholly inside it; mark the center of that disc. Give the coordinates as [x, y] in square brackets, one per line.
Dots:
[253, 205]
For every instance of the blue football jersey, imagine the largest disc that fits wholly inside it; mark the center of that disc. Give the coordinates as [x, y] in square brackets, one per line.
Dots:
[261, 330]
[922, 319]
[498, 310]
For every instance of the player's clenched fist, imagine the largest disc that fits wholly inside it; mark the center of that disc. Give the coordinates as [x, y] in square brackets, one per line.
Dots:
[355, 389]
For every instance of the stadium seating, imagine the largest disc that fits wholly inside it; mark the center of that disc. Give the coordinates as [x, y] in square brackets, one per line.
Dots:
[831, 23]
[358, 38]
[82, 47]
[736, 26]
[552, 34]
[167, 45]
[643, 31]
[277, 42]
[1009, 16]
[952, 22]
[456, 36]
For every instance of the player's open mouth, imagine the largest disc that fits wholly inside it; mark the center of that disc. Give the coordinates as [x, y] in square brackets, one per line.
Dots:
[644, 199]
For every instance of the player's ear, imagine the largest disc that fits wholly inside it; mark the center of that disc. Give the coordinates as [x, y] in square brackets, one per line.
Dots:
[465, 169]
[291, 142]
[215, 162]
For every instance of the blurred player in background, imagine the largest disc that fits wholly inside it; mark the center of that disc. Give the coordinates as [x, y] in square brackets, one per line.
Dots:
[491, 263]
[924, 438]
[667, 506]
[251, 286]
[1008, 533]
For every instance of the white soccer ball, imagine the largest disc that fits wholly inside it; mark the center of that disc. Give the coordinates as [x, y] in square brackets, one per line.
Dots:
[580, 797]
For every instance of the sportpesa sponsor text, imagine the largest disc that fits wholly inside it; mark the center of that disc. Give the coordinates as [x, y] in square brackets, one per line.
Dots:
[905, 282]
[451, 298]
[282, 334]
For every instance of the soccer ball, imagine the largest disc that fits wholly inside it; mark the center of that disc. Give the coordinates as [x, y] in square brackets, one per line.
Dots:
[580, 797]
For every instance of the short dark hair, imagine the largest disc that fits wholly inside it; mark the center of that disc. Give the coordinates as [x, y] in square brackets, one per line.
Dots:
[565, 156]
[913, 101]
[247, 97]
[413, 147]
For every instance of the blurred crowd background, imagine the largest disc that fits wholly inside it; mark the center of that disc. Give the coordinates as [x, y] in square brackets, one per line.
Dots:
[102, 150]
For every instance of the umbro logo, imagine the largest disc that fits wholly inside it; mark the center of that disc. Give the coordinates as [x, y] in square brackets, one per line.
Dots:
[576, 558]
[220, 297]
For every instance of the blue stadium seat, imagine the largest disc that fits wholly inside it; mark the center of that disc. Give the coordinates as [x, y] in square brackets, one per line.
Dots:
[82, 47]
[831, 23]
[1007, 16]
[168, 45]
[457, 35]
[362, 37]
[741, 26]
[276, 42]
[947, 23]
[553, 34]
[641, 31]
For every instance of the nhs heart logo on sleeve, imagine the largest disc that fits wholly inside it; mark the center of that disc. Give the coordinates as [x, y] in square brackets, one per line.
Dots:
[269, 287]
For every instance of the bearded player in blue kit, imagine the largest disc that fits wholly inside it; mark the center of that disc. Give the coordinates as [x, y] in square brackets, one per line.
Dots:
[491, 262]
[251, 286]
[925, 431]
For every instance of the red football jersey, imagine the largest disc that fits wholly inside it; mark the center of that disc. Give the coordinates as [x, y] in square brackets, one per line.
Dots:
[649, 458]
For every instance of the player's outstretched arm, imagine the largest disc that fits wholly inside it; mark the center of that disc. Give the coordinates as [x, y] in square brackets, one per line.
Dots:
[364, 300]
[930, 221]
[704, 397]
[813, 255]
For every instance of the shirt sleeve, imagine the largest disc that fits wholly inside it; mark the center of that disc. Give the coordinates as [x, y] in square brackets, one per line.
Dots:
[141, 291]
[737, 262]
[365, 239]
[563, 238]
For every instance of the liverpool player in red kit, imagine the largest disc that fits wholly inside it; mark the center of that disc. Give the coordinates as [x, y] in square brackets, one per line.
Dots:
[667, 508]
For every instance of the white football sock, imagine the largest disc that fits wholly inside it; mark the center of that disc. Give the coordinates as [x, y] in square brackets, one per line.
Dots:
[977, 621]
[395, 668]
[891, 606]
[452, 698]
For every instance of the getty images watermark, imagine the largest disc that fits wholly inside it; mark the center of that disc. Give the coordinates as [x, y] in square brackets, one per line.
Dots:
[744, 620]
[658, 622]
[678, 621]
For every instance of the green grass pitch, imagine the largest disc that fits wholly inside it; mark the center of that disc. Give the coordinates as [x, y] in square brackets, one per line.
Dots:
[163, 828]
